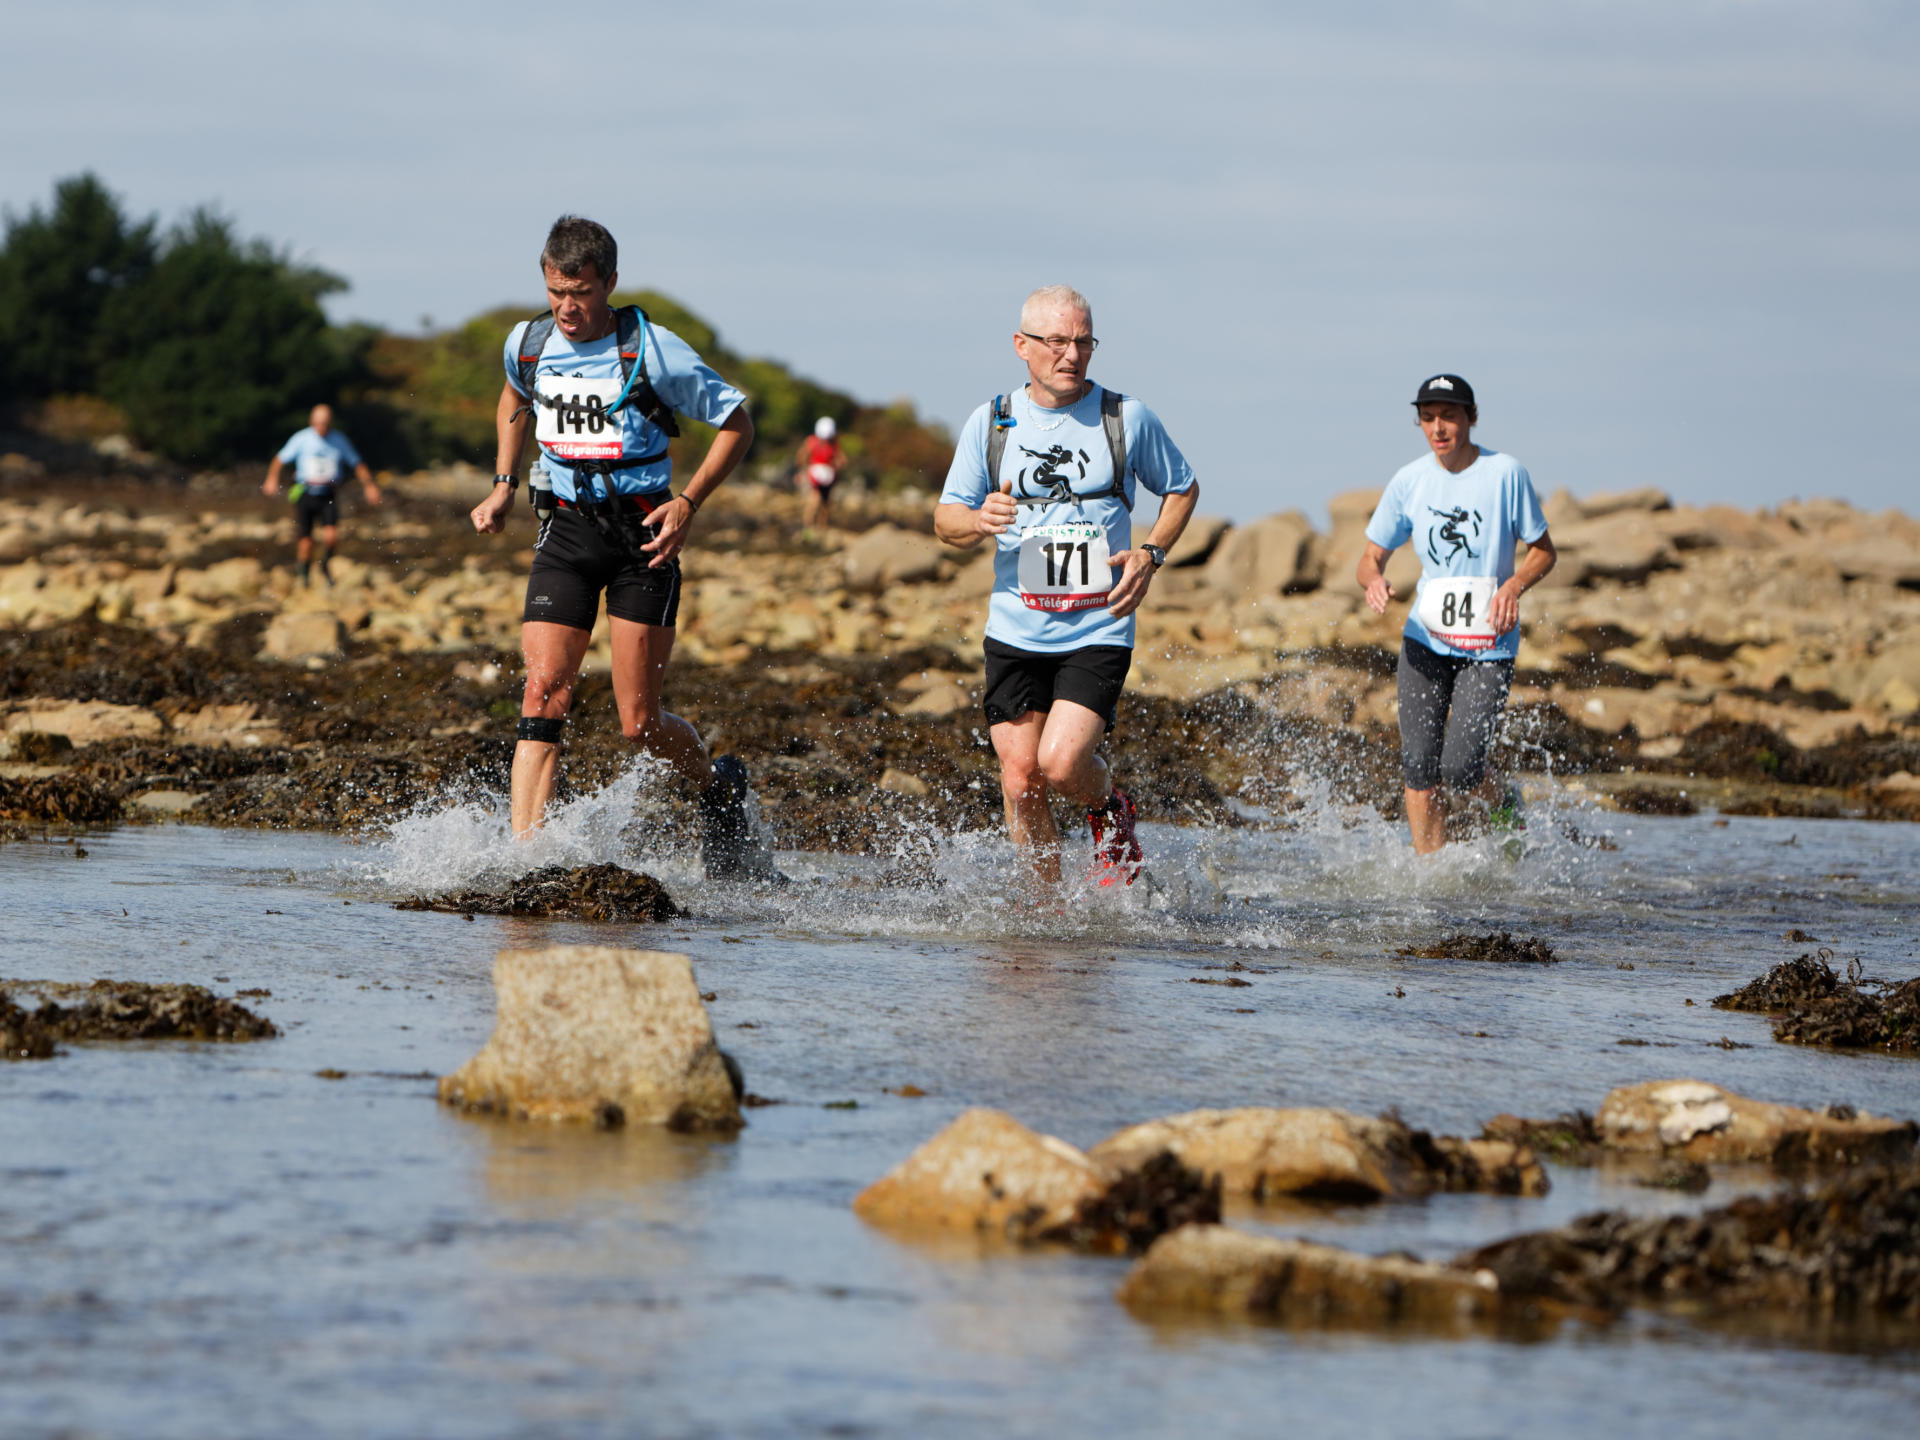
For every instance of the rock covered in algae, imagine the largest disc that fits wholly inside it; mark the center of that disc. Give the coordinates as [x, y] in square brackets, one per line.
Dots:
[1331, 1154]
[601, 893]
[1816, 1006]
[120, 1010]
[988, 1172]
[1498, 946]
[1230, 1272]
[1704, 1122]
[598, 1034]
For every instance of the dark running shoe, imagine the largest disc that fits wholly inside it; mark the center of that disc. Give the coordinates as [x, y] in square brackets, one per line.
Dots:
[1116, 849]
[729, 848]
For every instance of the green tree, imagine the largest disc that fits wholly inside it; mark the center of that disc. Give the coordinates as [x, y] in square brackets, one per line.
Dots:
[59, 270]
[222, 347]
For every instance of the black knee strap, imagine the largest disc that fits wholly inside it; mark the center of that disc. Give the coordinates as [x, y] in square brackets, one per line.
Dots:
[536, 727]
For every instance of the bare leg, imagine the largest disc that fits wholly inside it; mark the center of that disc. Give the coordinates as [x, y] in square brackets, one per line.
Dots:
[1427, 819]
[329, 540]
[553, 654]
[640, 655]
[1046, 749]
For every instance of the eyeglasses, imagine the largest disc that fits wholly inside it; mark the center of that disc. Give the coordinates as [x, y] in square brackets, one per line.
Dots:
[1059, 343]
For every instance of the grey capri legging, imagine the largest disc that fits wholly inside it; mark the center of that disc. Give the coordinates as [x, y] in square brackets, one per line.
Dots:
[1449, 707]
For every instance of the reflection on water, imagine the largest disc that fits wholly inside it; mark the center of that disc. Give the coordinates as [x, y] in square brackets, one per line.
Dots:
[211, 1240]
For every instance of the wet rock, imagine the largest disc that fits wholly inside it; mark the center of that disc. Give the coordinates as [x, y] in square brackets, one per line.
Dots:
[1324, 1154]
[309, 635]
[1223, 1271]
[602, 893]
[1570, 1139]
[1818, 1007]
[1141, 1206]
[1849, 1247]
[63, 799]
[581, 1027]
[1502, 947]
[133, 1010]
[1703, 1122]
[22, 1035]
[986, 1172]
[36, 747]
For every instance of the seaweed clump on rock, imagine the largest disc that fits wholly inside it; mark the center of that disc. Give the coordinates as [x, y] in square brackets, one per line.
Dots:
[1528, 950]
[1847, 1248]
[602, 893]
[131, 1010]
[22, 1036]
[1816, 1006]
[1140, 1207]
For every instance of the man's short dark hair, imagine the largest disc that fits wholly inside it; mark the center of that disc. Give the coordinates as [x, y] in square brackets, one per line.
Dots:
[576, 242]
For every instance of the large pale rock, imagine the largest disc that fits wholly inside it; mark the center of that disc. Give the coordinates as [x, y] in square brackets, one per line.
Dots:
[83, 722]
[581, 1028]
[1262, 1151]
[1879, 557]
[314, 635]
[887, 555]
[1229, 1272]
[1626, 545]
[1704, 1122]
[1613, 502]
[1196, 543]
[1268, 557]
[986, 1171]
[240, 578]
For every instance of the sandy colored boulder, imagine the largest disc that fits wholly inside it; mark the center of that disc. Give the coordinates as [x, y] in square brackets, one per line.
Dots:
[1229, 1272]
[986, 1171]
[887, 555]
[83, 722]
[1262, 1151]
[595, 1033]
[1267, 557]
[1613, 502]
[1625, 545]
[316, 634]
[1704, 1122]
[1196, 543]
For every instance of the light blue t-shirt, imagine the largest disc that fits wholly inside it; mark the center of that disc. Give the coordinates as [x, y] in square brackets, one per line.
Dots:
[679, 376]
[319, 461]
[1044, 448]
[1461, 525]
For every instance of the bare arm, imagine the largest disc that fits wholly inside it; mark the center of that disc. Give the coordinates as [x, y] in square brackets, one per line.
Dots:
[672, 519]
[367, 487]
[964, 527]
[272, 485]
[1131, 588]
[1504, 612]
[1372, 577]
[511, 421]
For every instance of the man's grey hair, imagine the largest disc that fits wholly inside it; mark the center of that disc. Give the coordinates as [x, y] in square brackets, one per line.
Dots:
[575, 242]
[1053, 297]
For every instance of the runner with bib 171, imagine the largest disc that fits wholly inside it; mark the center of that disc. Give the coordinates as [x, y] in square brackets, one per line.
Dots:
[1048, 475]
[1463, 506]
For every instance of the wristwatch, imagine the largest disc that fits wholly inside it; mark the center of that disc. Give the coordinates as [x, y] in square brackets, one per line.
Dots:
[1155, 554]
[512, 482]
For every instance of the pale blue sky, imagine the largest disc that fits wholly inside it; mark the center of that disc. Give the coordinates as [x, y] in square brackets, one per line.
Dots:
[1672, 243]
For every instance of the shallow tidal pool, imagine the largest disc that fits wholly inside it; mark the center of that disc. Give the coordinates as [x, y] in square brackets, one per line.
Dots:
[204, 1240]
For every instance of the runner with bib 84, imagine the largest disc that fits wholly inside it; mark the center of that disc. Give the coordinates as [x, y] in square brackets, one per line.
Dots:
[1048, 475]
[1464, 506]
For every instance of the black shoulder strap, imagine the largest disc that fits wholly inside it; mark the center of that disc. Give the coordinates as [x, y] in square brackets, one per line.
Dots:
[531, 344]
[997, 438]
[1116, 429]
[631, 323]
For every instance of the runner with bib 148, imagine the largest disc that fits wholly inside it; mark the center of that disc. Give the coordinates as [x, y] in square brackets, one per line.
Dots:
[1048, 475]
[1464, 506]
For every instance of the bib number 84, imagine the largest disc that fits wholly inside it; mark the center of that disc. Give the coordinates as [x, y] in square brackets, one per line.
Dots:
[1457, 610]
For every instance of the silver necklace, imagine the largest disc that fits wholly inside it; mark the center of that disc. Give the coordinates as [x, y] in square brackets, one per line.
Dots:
[1066, 414]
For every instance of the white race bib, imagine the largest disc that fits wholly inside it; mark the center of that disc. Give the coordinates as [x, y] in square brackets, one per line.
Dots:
[1454, 610]
[578, 428]
[820, 474]
[1064, 566]
[320, 468]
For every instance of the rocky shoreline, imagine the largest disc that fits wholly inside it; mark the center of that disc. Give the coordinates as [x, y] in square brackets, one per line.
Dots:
[157, 661]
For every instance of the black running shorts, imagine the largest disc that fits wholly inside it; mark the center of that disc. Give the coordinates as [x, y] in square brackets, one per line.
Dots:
[1449, 709]
[573, 562]
[1023, 680]
[315, 507]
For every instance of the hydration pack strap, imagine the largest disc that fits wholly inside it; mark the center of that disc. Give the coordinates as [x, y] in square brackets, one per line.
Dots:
[630, 328]
[1111, 422]
[620, 519]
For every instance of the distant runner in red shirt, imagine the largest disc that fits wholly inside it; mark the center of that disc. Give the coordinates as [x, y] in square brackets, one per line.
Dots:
[819, 462]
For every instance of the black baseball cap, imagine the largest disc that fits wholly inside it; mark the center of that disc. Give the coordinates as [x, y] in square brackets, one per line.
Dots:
[1445, 390]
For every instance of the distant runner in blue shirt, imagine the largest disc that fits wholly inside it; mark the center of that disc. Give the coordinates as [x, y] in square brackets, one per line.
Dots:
[599, 386]
[319, 455]
[1048, 476]
[1464, 507]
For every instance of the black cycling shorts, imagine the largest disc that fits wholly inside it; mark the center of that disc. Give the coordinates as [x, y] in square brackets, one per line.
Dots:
[1449, 709]
[315, 507]
[573, 562]
[1023, 680]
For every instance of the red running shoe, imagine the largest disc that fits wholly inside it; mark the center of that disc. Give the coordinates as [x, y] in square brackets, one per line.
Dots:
[1116, 849]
